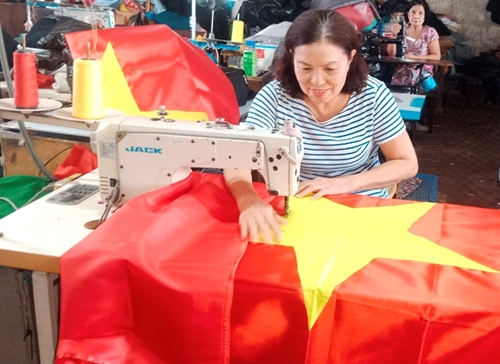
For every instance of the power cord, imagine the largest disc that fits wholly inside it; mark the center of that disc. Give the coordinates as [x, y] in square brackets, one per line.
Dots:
[47, 188]
[53, 157]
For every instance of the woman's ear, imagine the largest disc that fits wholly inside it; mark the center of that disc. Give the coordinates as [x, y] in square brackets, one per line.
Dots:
[353, 53]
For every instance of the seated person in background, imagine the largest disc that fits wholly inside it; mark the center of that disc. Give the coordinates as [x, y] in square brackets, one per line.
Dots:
[422, 42]
[345, 117]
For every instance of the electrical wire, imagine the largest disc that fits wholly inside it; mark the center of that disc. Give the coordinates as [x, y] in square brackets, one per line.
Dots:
[55, 156]
[45, 189]
[12, 204]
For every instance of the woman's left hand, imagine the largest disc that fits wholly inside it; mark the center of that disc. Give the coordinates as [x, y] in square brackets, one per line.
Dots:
[323, 186]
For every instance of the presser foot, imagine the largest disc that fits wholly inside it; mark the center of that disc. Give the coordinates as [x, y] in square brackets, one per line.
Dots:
[110, 203]
[287, 206]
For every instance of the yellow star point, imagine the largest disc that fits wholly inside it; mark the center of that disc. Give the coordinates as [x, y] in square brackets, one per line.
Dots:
[333, 241]
[118, 94]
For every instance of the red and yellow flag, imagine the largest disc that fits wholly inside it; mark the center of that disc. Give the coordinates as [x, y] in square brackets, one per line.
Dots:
[146, 67]
[356, 280]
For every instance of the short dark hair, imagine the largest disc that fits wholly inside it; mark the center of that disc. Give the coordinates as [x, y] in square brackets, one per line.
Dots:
[414, 3]
[314, 26]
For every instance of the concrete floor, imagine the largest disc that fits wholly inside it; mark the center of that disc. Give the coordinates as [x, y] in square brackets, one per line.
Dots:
[464, 149]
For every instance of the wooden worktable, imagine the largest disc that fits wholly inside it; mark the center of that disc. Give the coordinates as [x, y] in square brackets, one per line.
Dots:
[445, 43]
[442, 66]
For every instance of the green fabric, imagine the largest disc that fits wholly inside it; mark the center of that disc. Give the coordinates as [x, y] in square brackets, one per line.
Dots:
[19, 190]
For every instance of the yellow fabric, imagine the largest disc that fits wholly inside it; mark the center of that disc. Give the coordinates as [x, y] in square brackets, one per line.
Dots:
[117, 93]
[333, 241]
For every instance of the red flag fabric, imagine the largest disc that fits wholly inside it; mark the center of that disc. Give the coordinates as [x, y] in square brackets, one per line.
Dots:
[80, 160]
[44, 81]
[168, 280]
[163, 68]
[389, 312]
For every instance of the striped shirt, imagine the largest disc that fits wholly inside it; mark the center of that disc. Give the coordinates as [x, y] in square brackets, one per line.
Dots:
[346, 144]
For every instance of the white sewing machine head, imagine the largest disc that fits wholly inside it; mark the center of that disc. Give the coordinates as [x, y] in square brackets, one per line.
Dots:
[138, 154]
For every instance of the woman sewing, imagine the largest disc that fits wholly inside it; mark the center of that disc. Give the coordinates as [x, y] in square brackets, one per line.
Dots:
[422, 42]
[345, 117]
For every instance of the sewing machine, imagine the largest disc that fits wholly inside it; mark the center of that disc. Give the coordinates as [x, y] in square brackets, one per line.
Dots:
[372, 44]
[138, 154]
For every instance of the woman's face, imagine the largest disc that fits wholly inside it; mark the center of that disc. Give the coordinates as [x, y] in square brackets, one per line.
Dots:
[416, 15]
[321, 69]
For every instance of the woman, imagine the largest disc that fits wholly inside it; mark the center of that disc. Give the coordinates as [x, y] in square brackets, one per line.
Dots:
[422, 42]
[344, 116]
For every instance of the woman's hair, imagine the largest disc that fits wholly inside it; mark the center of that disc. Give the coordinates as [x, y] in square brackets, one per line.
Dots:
[314, 26]
[423, 3]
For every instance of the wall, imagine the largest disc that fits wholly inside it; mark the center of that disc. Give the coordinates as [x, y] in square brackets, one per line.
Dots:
[12, 17]
[474, 20]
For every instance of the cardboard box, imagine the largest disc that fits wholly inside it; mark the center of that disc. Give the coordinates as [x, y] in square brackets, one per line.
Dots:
[104, 18]
[52, 147]
[124, 17]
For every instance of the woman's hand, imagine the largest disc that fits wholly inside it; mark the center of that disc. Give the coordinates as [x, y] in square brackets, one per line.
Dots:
[323, 186]
[259, 220]
[410, 55]
[395, 29]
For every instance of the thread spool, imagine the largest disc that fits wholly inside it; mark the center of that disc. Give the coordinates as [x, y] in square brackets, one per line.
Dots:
[25, 80]
[238, 30]
[88, 92]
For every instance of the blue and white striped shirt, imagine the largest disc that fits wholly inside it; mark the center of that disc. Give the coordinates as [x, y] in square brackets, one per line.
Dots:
[344, 145]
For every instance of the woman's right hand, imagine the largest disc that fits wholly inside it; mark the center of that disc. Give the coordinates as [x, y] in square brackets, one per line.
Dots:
[395, 29]
[258, 221]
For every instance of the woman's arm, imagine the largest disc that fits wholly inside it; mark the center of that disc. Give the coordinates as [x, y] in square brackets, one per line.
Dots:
[434, 52]
[391, 47]
[239, 182]
[391, 50]
[257, 218]
[401, 163]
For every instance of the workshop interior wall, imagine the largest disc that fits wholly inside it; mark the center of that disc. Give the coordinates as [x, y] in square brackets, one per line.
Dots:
[474, 20]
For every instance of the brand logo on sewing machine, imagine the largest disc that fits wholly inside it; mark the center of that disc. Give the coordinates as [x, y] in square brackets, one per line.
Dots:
[149, 150]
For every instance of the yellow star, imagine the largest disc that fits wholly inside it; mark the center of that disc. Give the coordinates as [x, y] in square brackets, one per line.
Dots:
[333, 241]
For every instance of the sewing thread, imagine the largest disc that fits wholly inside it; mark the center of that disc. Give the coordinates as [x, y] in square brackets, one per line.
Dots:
[25, 81]
[238, 30]
[88, 93]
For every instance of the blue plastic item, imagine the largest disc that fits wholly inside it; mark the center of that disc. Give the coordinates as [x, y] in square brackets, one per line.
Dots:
[428, 83]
